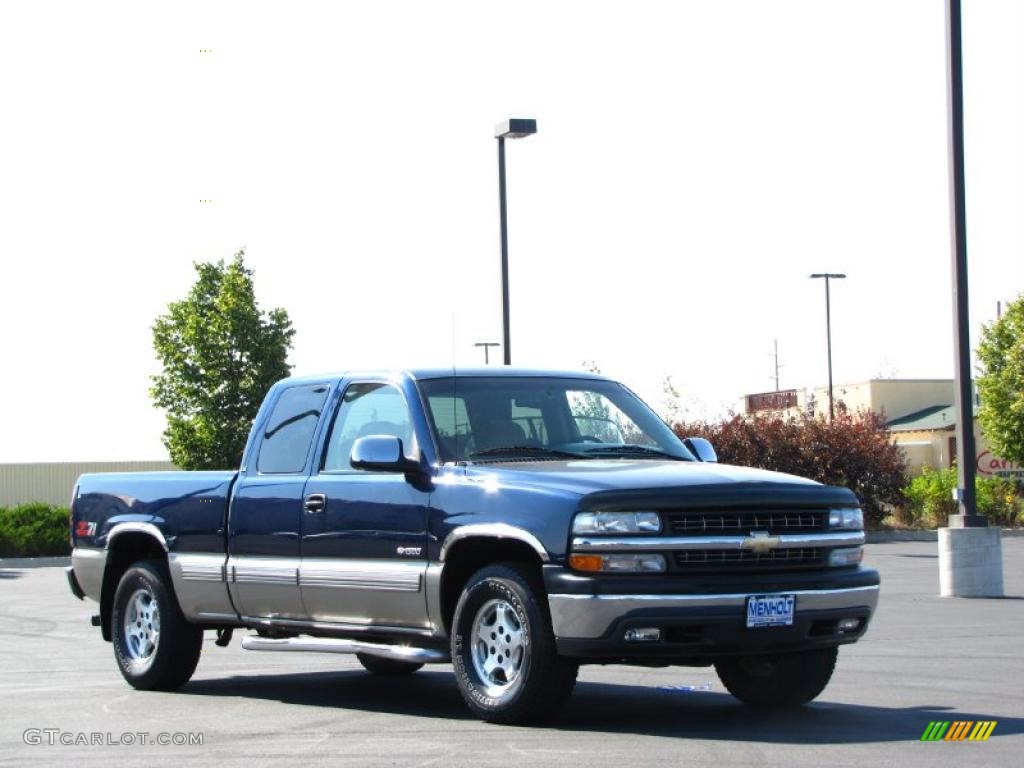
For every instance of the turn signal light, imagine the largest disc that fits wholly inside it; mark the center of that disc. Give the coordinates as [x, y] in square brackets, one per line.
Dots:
[586, 562]
[648, 563]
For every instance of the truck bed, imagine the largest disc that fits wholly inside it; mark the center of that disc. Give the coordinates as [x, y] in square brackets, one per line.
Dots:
[189, 508]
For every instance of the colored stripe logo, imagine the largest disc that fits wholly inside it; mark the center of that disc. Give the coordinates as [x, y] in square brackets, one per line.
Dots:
[958, 730]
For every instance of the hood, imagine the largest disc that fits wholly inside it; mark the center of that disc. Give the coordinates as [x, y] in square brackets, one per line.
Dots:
[662, 483]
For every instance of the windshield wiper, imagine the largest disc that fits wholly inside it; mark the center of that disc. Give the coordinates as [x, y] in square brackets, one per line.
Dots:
[523, 450]
[634, 449]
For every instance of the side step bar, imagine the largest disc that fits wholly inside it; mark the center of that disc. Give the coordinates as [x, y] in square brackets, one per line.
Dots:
[331, 645]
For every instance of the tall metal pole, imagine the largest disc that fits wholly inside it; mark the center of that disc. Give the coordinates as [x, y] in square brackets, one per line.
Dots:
[968, 516]
[506, 334]
[828, 334]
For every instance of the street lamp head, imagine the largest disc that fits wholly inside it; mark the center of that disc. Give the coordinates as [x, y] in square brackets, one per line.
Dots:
[833, 275]
[515, 128]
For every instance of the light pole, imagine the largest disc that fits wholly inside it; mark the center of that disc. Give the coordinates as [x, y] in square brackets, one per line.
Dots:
[967, 513]
[828, 332]
[515, 128]
[487, 349]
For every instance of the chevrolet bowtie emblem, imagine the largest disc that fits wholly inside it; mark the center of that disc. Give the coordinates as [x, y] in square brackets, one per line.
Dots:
[760, 542]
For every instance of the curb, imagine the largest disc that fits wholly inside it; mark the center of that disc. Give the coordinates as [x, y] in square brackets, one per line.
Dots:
[33, 562]
[884, 537]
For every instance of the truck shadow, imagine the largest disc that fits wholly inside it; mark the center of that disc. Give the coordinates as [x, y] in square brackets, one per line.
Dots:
[609, 708]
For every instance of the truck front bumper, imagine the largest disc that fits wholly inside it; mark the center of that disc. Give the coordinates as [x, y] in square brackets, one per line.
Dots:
[703, 618]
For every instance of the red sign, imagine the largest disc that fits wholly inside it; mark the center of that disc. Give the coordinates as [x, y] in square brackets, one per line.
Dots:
[771, 401]
[988, 464]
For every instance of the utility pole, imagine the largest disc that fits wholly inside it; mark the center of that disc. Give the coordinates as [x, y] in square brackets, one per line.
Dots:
[487, 349]
[777, 366]
[828, 333]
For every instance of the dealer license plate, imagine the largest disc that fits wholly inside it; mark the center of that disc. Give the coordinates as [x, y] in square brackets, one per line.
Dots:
[770, 610]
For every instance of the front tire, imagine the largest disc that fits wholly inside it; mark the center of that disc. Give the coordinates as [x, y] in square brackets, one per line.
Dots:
[781, 680]
[155, 647]
[387, 667]
[503, 650]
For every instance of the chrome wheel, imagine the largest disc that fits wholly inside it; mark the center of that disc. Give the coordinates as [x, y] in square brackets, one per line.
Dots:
[500, 648]
[141, 627]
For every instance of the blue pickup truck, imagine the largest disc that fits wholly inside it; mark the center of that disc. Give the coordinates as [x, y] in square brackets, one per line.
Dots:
[513, 523]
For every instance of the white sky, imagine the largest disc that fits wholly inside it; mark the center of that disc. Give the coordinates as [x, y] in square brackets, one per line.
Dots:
[694, 163]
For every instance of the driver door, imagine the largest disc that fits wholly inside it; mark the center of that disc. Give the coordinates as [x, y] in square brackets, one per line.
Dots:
[364, 533]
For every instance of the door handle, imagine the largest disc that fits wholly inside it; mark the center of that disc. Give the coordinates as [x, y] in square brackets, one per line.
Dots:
[315, 503]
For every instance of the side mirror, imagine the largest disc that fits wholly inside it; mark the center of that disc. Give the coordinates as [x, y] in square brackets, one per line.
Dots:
[701, 448]
[381, 453]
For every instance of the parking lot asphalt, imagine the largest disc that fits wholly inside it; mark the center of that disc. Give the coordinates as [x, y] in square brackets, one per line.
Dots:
[924, 658]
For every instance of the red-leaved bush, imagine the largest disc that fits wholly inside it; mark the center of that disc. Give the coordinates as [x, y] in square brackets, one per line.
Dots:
[854, 451]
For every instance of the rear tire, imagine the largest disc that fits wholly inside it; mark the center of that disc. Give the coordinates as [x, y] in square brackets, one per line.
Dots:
[503, 650]
[387, 667]
[155, 647]
[781, 680]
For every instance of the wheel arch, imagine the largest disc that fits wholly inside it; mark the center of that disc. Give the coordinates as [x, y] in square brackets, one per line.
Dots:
[126, 546]
[469, 553]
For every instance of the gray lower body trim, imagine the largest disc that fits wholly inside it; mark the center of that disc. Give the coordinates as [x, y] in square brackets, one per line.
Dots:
[590, 616]
[382, 575]
[263, 585]
[200, 584]
[364, 591]
[432, 586]
[89, 565]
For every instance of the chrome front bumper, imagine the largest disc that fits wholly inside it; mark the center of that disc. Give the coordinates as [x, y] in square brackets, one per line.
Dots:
[591, 616]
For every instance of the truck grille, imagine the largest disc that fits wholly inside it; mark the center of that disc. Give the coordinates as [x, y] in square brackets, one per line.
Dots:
[742, 522]
[726, 559]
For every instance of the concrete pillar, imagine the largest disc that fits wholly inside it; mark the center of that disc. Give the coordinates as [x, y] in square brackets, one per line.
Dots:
[970, 562]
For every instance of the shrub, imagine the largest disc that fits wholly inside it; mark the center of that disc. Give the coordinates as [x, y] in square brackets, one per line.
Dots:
[929, 498]
[33, 530]
[854, 451]
[1000, 500]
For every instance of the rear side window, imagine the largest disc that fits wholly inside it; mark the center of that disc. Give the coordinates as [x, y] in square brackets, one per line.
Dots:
[290, 428]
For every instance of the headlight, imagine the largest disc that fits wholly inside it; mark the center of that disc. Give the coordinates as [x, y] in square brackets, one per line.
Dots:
[846, 556]
[617, 522]
[850, 518]
[618, 563]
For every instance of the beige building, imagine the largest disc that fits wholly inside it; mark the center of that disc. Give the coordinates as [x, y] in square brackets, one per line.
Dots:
[919, 412]
[52, 483]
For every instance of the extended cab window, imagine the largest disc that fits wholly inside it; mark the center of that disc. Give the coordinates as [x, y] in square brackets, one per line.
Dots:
[370, 408]
[290, 428]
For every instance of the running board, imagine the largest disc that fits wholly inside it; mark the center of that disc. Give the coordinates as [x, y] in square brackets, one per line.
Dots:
[331, 645]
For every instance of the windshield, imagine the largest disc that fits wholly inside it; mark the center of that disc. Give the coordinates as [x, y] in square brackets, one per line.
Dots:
[481, 419]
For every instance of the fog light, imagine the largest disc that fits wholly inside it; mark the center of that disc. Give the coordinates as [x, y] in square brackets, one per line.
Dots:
[643, 635]
[846, 626]
[846, 556]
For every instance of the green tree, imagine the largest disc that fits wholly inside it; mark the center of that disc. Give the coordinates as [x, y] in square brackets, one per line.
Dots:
[220, 354]
[1001, 382]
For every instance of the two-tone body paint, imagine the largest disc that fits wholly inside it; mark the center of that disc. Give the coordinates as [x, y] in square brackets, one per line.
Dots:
[242, 548]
